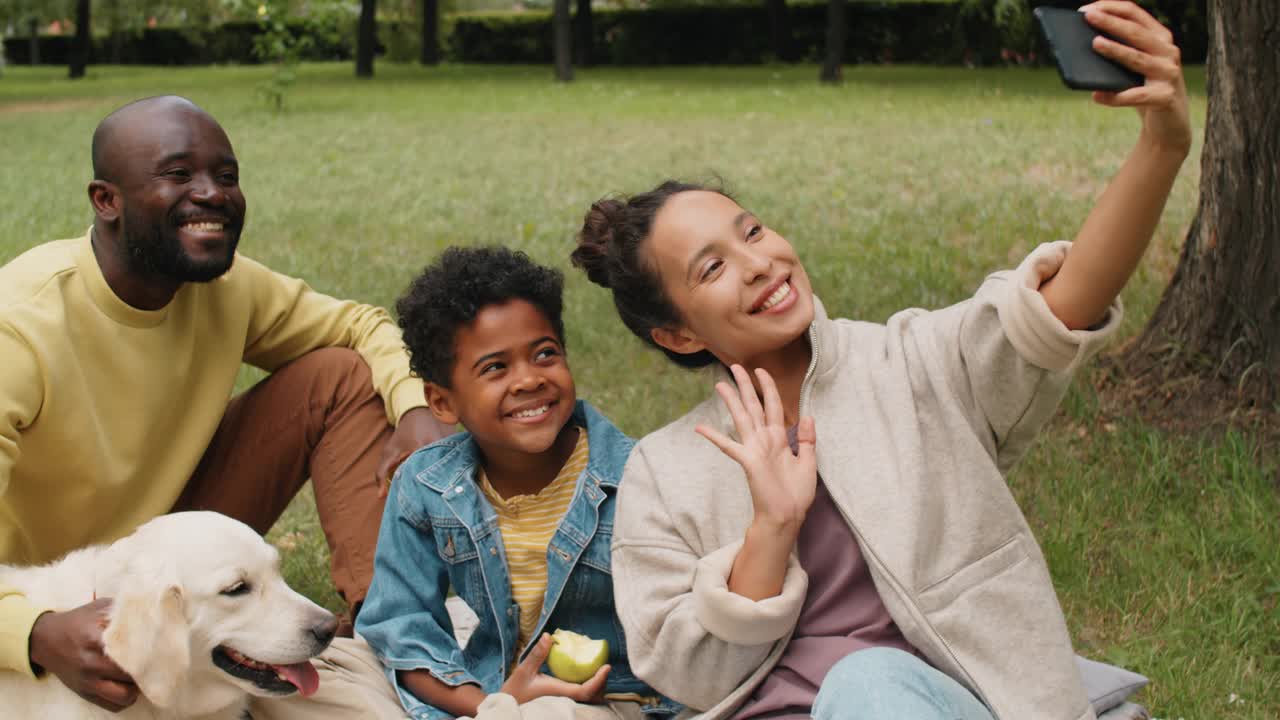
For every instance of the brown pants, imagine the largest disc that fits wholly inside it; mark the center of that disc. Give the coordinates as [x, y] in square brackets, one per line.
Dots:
[317, 417]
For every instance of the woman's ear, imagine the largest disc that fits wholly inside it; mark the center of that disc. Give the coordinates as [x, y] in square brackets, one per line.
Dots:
[440, 400]
[106, 200]
[681, 341]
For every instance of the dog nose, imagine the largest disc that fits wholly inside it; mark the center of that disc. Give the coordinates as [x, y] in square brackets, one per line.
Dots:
[324, 631]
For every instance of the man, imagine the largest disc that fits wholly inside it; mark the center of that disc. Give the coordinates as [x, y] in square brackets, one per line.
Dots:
[120, 351]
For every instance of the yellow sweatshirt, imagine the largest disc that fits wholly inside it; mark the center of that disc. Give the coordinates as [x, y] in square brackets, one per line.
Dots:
[105, 410]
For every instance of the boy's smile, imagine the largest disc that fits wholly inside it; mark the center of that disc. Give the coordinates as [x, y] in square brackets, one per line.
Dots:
[510, 387]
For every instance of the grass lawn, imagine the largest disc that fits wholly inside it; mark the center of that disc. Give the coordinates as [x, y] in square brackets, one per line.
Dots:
[903, 187]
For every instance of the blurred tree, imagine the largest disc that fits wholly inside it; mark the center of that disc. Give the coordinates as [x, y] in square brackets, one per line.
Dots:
[83, 44]
[31, 16]
[1219, 319]
[284, 39]
[584, 34]
[366, 38]
[17, 14]
[779, 29]
[34, 26]
[562, 42]
[837, 32]
[430, 52]
[112, 12]
[1016, 26]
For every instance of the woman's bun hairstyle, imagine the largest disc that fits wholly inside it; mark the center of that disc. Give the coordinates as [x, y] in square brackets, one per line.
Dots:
[594, 242]
[609, 247]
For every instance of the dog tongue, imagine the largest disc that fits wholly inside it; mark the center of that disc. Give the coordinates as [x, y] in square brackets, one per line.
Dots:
[302, 675]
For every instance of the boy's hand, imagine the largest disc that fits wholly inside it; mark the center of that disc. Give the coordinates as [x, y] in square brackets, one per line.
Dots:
[1146, 47]
[417, 428]
[527, 681]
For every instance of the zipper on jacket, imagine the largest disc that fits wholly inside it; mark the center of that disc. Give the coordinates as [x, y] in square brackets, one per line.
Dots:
[806, 385]
[921, 619]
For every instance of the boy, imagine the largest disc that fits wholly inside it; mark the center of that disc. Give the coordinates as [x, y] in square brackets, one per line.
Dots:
[515, 514]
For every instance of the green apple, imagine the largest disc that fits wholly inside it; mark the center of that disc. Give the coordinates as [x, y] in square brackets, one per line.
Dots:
[576, 658]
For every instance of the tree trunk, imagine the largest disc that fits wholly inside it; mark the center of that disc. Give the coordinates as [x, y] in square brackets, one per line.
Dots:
[583, 34]
[83, 41]
[779, 29]
[430, 32]
[562, 36]
[837, 30]
[366, 38]
[1220, 315]
[35, 41]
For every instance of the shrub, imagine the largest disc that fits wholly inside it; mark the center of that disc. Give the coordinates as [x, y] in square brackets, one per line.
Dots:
[980, 32]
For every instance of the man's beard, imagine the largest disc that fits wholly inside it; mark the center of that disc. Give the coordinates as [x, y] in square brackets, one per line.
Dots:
[156, 251]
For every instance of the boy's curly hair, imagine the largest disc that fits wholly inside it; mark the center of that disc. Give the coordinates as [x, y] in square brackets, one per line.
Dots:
[451, 291]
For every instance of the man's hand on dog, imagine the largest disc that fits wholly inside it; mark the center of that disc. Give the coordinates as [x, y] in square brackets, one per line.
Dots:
[69, 645]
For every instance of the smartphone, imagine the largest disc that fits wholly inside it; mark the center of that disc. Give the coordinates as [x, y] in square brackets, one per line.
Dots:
[1070, 39]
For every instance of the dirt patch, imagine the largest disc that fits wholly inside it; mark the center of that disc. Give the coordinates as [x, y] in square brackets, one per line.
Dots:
[37, 106]
[1188, 400]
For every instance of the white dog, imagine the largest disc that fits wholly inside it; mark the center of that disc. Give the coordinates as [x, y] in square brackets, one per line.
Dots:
[201, 619]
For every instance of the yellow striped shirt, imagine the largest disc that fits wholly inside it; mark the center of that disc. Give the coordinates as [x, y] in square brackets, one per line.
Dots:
[527, 523]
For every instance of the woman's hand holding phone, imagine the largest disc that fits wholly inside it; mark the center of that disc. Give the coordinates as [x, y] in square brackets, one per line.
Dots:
[1113, 238]
[1145, 46]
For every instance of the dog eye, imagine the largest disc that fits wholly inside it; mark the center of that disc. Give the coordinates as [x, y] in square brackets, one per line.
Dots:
[240, 588]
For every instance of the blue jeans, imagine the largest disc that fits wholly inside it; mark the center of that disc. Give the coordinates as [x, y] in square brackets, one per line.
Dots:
[889, 684]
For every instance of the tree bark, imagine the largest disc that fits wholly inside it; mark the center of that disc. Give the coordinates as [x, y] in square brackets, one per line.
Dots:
[583, 34]
[430, 32]
[837, 31]
[366, 38]
[779, 29]
[83, 42]
[562, 41]
[1220, 315]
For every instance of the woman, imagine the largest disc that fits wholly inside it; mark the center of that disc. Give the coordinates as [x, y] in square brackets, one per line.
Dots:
[880, 569]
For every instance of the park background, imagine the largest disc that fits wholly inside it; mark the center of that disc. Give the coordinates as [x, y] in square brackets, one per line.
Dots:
[940, 156]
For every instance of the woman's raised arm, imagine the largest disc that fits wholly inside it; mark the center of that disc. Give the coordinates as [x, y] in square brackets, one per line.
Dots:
[1115, 235]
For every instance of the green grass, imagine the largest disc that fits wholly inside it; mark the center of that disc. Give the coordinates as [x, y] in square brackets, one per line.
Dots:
[903, 187]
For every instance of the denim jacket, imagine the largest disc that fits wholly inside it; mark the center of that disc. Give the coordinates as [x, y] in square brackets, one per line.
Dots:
[439, 531]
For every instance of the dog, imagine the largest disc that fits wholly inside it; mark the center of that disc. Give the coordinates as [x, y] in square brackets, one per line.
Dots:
[200, 618]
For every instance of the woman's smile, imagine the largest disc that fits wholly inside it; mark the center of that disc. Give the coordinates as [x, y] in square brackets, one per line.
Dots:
[776, 299]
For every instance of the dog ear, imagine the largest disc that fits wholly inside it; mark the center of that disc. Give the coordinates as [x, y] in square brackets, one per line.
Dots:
[147, 637]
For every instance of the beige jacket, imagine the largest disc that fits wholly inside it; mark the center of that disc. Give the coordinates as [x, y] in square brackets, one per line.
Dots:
[918, 421]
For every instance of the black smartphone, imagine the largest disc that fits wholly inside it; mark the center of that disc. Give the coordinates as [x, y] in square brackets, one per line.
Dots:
[1070, 39]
